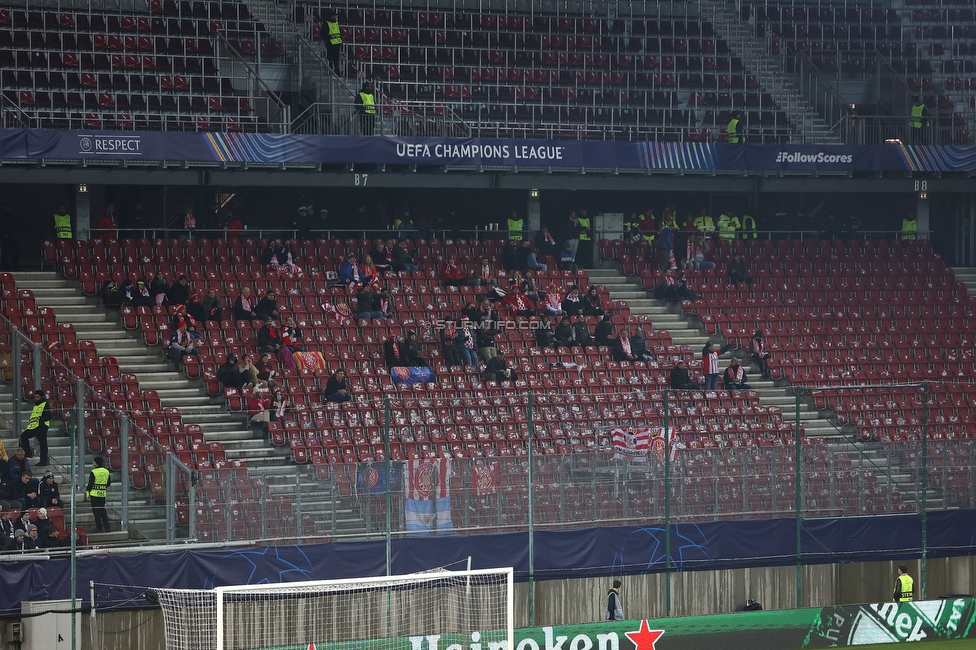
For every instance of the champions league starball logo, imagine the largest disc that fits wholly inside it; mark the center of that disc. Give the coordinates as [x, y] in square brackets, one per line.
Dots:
[85, 144]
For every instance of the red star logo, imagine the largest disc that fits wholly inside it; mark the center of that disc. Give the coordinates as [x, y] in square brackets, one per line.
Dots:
[645, 638]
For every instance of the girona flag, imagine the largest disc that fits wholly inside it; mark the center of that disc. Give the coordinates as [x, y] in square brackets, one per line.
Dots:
[427, 478]
[484, 479]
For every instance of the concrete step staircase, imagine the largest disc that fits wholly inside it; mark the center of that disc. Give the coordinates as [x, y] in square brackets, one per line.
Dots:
[889, 471]
[687, 331]
[240, 440]
[966, 275]
[756, 57]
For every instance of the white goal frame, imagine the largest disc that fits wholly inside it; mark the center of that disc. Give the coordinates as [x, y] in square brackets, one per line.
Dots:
[378, 581]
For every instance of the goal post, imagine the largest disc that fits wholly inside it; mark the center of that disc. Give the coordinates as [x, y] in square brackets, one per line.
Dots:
[420, 611]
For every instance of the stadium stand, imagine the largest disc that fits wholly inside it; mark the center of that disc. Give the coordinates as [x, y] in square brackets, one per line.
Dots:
[132, 70]
[667, 75]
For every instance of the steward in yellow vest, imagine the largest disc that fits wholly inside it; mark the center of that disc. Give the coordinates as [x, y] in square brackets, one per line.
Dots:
[333, 41]
[735, 131]
[904, 586]
[62, 224]
[37, 426]
[96, 491]
[704, 224]
[748, 227]
[515, 226]
[909, 229]
[727, 225]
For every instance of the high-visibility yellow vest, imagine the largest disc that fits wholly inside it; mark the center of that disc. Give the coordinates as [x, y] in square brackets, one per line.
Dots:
[748, 227]
[916, 121]
[335, 37]
[515, 228]
[62, 226]
[727, 226]
[733, 130]
[585, 233]
[907, 588]
[35, 417]
[705, 224]
[369, 106]
[100, 488]
[909, 229]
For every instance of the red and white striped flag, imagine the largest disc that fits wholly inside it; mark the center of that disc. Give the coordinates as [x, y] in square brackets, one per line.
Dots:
[427, 478]
[631, 444]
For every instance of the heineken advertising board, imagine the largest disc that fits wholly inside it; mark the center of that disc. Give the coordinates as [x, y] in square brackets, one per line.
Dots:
[840, 625]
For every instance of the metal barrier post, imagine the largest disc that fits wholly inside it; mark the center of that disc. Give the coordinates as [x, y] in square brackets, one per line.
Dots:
[37, 366]
[667, 506]
[79, 435]
[124, 443]
[531, 516]
[170, 498]
[799, 504]
[15, 388]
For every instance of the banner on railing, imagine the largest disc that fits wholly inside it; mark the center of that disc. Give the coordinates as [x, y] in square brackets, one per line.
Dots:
[474, 152]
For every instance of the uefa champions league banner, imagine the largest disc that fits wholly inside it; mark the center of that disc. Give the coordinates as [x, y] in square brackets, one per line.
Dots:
[477, 152]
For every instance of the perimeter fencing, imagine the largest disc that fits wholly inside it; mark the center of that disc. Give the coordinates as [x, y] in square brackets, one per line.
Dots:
[472, 457]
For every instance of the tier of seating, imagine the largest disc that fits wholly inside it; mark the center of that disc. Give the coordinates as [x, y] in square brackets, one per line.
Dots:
[932, 46]
[509, 72]
[130, 70]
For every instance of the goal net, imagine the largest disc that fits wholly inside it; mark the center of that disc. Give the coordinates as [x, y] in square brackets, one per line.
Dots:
[419, 611]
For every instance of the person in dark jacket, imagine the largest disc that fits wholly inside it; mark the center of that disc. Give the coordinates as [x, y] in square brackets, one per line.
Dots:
[269, 339]
[680, 378]
[244, 306]
[604, 330]
[738, 271]
[449, 346]
[622, 348]
[735, 377]
[639, 345]
[497, 369]
[337, 388]
[228, 374]
[267, 307]
[25, 492]
[592, 305]
[412, 351]
[213, 307]
[395, 352]
[49, 492]
[179, 293]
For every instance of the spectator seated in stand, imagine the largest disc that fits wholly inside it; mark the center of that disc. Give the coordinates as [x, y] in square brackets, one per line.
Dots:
[484, 274]
[351, 273]
[592, 305]
[244, 306]
[681, 378]
[696, 249]
[530, 261]
[159, 287]
[639, 345]
[282, 260]
[511, 259]
[49, 492]
[228, 375]
[249, 373]
[604, 330]
[402, 258]
[467, 344]
[622, 348]
[518, 303]
[449, 345]
[195, 310]
[394, 351]
[452, 275]
[573, 302]
[267, 308]
[569, 334]
[738, 271]
[567, 260]
[554, 302]
[213, 306]
[530, 287]
[371, 274]
[735, 376]
[337, 388]
[413, 352]
[757, 347]
[17, 465]
[291, 342]
[382, 256]
[269, 338]
[278, 410]
[368, 304]
[111, 298]
[267, 370]
[179, 292]
[24, 491]
[181, 345]
[497, 369]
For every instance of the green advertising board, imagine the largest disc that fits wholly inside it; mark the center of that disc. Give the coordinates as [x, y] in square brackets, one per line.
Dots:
[836, 626]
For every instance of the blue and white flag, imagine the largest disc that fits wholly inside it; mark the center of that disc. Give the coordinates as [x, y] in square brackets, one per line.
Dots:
[371, 478]
[428, 516]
